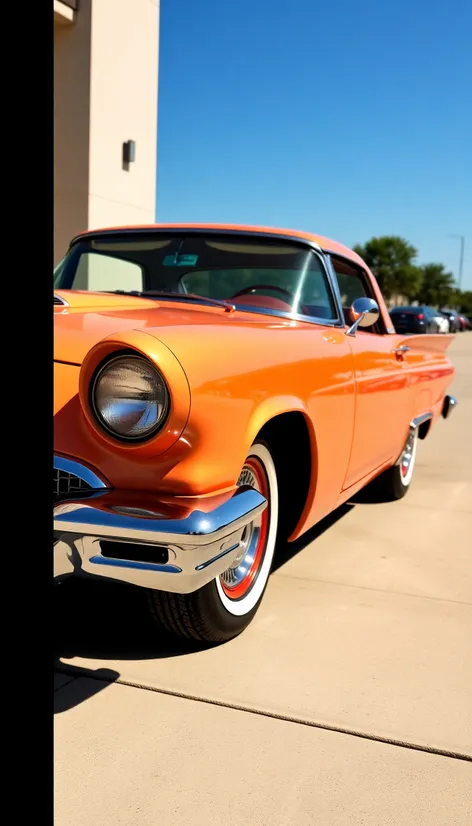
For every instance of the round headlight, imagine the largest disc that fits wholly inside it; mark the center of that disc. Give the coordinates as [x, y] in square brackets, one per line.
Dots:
[130, 398]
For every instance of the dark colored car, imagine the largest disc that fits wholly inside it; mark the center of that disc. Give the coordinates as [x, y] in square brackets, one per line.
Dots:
[414, 319]
[454, 319]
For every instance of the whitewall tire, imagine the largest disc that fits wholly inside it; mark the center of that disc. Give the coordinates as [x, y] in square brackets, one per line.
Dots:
[222, 609]
[394, 483]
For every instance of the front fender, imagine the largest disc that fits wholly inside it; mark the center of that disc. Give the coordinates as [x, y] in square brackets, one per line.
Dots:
[268, 409]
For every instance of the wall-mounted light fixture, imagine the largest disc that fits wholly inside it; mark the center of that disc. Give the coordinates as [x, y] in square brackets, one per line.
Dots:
[129, 153]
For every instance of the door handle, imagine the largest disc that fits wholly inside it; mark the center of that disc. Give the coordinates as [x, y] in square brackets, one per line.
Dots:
[400, 351]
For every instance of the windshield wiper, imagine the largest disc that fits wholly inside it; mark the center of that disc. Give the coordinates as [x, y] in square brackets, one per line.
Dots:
[227, 306]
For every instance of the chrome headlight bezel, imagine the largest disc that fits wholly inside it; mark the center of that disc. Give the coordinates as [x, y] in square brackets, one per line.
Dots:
[127, 357]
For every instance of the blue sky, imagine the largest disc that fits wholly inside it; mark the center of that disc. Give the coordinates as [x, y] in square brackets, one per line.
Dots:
[349, 118]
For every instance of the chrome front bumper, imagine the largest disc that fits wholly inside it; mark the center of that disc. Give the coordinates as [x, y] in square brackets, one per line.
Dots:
[167, 547]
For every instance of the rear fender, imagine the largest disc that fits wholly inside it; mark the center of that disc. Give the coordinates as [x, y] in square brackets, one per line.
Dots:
[430, 371]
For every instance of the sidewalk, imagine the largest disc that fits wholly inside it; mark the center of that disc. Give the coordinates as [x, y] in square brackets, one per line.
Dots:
[365, 630]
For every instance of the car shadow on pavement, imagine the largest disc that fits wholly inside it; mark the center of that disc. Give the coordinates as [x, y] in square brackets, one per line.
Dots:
[101, 620]
[72, 692]
[110, 621]
[371, 495]
[287, 550]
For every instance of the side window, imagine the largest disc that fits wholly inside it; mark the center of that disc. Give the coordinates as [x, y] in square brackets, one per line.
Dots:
[353, 283]
[104, 272]
[315, 296]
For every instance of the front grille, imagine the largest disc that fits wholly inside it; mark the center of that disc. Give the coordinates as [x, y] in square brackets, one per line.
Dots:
[66, 484]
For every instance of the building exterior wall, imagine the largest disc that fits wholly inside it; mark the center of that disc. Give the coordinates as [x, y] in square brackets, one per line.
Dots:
[105, 93]
[71, 126]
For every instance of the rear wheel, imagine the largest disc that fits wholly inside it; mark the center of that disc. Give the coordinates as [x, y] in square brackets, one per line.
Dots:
[394, 482]
[222, 609]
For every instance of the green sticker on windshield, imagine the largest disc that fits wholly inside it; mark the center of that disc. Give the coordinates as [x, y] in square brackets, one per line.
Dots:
[177, 260]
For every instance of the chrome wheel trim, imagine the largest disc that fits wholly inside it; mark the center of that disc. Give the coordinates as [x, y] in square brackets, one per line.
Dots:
[406, 462]
[245, 604]
[234, 575]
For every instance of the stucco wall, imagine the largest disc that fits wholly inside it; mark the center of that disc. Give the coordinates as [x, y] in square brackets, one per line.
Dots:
[106, 77]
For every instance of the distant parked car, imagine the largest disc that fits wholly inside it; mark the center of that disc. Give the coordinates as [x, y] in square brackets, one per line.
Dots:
[464, 322]
[414, 319]
[443, 321]
[454, 321]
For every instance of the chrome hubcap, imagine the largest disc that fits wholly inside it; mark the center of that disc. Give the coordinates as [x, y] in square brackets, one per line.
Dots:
[408, 452]
[234, 575]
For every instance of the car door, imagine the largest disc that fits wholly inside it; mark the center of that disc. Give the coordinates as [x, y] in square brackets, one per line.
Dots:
[381, 377]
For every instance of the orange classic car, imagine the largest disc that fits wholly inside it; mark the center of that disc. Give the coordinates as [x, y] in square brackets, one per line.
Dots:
[218, 389]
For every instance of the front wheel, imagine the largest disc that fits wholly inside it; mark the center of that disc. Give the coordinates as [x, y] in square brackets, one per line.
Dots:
[222, 609]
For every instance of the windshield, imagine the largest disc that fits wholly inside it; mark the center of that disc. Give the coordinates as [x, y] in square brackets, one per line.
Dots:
[251, 272]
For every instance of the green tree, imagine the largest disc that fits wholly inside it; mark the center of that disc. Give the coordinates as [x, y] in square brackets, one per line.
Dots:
[391, 259]
[464, 302]
[437, 286]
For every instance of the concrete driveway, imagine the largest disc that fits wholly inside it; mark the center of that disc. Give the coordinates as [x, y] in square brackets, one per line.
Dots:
[347, 701]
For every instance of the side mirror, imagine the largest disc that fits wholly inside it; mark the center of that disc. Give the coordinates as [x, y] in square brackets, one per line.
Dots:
[364, 312]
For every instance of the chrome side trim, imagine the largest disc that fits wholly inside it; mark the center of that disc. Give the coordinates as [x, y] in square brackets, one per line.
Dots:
[200, 546]
[77, 469]
[415, 425]
[419, 420]
[450, 402]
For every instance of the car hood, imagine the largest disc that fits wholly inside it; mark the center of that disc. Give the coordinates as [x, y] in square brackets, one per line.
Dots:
[90, 317]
